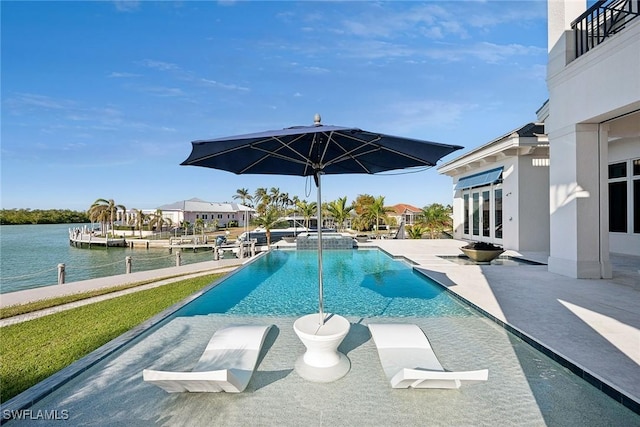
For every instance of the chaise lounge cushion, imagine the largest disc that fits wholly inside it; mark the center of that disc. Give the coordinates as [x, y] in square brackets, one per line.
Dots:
[226, 364]
[409, 361]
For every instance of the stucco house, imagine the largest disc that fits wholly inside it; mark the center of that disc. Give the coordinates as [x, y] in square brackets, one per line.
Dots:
[210, 212]
[592, 123]
[500, 191]
[593, 77]
[404, 213]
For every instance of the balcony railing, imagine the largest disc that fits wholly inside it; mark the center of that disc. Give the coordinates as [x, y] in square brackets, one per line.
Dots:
[601, 21]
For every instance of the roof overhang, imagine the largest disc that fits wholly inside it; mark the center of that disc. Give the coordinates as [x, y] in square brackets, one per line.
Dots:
[525, 141]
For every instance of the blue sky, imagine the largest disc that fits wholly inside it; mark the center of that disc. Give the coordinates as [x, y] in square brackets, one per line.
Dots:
[102, 99]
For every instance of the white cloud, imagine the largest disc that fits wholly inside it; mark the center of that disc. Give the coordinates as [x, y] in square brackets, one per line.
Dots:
[28, 100]
[216, 84]
[484, 51]
[160, 65]
[118, 75]
[412, 116]
[126, 5]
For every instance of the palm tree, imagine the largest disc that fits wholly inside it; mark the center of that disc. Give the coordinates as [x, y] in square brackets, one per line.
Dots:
[436, 218]
[101, 205]
[123, 218]
[261, 198]
[156, 220]
[377, 210]
[186, 225]
[285, 200]
[99, 212]
[339, 210]
[199, 225]
[274, 196]
[363, 221]
[294, 204]
[244, 195]
[269, 220]
[140, 218]
[307, 210]
[415, 231]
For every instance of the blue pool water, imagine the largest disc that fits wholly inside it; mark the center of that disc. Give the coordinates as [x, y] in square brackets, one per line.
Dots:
[364, 283]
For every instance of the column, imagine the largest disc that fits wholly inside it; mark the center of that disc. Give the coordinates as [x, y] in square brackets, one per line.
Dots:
[579, 245]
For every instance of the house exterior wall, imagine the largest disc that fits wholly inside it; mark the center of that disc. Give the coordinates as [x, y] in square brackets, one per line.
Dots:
[512, 216]
[584, 95]
[523, 157]
[533, 177]
[525, 204]
[210, 217]
[211, 213]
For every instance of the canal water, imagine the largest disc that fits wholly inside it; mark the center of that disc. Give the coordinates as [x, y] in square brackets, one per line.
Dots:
[30, 254]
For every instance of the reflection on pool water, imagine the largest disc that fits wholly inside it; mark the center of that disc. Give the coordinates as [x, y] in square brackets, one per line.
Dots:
[363, 283]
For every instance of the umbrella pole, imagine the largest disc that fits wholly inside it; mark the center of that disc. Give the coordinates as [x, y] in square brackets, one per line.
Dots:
[320, 285]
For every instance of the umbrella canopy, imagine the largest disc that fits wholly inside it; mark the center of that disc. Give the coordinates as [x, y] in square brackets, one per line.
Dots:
[310, 150]
[313, 151]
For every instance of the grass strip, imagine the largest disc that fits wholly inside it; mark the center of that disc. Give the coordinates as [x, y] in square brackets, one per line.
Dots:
[34, 350]
[15, 310]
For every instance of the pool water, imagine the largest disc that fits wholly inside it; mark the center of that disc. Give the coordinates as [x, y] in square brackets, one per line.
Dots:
[363, 283]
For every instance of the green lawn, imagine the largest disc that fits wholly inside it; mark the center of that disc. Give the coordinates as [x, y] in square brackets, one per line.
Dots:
[15, 310]
[32, 351]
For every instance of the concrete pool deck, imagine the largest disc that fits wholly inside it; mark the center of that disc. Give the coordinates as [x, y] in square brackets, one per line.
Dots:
[595, 324]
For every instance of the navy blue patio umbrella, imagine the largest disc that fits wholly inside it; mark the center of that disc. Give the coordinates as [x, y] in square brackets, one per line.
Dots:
[314, 151]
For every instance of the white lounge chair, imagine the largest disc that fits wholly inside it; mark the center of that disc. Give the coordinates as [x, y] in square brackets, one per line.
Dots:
[227, 363]
[408, 360]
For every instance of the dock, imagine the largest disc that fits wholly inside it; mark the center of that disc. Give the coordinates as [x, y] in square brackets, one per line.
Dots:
[88, 240]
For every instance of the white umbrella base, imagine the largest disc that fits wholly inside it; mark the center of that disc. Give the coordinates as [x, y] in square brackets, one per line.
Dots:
[322, 362]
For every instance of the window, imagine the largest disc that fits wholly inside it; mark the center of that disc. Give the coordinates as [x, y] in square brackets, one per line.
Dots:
[476, 214]
[618, 170]
[636, 206]
[466, 213]
[486, 230]
[624, 196]
[636, 196]
[482, 213]
[498, 213]
[618, 207]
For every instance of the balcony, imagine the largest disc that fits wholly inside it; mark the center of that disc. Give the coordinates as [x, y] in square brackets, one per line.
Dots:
[601, 21]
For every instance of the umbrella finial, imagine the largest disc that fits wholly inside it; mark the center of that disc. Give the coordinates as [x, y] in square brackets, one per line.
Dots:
[316, 120]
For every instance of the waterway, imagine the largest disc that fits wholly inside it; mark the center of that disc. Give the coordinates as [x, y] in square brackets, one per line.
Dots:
[30, 254]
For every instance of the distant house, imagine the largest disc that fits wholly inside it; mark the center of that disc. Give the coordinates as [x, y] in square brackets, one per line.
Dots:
[501, 191]
[220, 214]
[405, 213]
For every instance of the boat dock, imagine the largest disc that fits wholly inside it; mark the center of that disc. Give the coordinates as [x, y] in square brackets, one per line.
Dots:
[80, 239]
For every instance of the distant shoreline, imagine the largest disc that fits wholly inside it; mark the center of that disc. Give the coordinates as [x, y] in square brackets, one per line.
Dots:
[42, 216]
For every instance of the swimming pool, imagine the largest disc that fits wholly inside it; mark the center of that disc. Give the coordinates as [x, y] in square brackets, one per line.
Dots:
[525, 387]
[360, 283]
